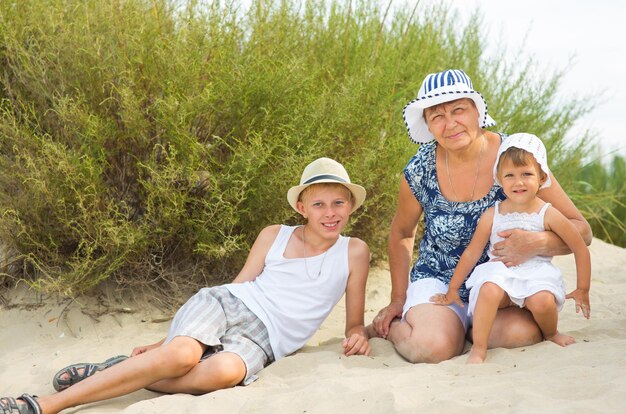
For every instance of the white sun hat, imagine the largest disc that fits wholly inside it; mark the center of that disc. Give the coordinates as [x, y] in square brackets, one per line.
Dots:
[436, 89]
[530, 143]
[326, 170]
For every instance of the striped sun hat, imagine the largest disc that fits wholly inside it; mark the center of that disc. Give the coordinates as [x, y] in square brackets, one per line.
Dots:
[436, 89]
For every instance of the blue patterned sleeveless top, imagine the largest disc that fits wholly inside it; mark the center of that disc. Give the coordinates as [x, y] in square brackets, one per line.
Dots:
[448, 225]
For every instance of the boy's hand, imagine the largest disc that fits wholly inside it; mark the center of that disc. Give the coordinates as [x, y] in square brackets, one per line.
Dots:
[581, 297]
[356, 344]
[145, 348]
[140, 350]
[447, 299]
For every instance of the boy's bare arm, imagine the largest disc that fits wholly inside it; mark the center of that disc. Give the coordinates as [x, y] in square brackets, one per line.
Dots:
[356, 342]
[256, 258]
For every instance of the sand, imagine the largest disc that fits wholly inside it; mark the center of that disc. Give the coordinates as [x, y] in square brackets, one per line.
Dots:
[589, 376]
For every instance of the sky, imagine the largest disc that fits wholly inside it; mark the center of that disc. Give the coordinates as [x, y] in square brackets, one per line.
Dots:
[592, 33]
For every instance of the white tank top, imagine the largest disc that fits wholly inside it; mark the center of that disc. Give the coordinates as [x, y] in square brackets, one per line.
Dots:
[291, 303]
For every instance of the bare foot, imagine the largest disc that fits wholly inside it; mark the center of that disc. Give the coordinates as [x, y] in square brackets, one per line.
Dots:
[561, 339]
[476, 356]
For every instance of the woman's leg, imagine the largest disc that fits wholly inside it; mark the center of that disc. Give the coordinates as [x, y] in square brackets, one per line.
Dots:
[431, 333]
[514, 327]
[219, 371]
[491, 297]
[544, 309]
[175, 359]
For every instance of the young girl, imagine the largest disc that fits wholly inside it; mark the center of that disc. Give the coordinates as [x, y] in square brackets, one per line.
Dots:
[521, 170]
[224, 335]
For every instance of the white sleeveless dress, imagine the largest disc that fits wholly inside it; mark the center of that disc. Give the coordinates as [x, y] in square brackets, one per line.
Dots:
[530, 277]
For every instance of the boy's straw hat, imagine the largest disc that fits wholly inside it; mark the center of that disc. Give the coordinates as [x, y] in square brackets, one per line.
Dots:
[326, 170]
[529, 143]
[437, 88]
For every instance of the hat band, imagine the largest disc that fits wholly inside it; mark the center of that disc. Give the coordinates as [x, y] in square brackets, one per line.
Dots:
[324, 177]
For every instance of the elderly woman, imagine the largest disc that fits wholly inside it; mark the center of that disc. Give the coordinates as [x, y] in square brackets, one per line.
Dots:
[450, 181]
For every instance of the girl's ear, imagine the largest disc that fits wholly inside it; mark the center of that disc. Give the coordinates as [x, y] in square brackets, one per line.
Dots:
[543, 177]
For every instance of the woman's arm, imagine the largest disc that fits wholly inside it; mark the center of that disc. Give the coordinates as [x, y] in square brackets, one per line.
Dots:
[256, 258]
[520, 245]
[401, 242]
[356, 337]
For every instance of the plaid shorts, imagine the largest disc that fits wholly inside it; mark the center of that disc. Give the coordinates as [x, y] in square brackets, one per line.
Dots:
[216, 318]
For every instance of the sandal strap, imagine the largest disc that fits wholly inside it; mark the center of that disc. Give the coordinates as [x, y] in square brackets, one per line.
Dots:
[73, 376]
[8, 405]
[32, 402]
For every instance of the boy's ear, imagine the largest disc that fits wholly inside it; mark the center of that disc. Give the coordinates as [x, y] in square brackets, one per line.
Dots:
[300, 207]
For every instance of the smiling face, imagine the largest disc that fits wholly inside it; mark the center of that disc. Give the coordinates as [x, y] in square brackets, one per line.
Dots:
[326, 207]
[454, 124]
[520, 175]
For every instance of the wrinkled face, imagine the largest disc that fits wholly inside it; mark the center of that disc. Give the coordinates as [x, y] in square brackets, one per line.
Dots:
[326, 207]
[454, 124]
[520, 182]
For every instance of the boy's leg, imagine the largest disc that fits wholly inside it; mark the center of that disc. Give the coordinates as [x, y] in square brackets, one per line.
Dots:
[491, 297]
[222, 370]
[172, 360]
[544, 309]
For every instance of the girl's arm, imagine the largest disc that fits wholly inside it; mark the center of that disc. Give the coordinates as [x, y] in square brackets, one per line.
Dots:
[256, 258]
[521, 245]
[471, 255]
[561, 226]
[356, 337]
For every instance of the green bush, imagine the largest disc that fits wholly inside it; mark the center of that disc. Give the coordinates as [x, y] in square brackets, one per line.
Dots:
[148, 142]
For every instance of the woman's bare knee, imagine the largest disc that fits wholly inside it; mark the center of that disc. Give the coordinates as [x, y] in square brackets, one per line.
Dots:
[431, 350]
[514, 327]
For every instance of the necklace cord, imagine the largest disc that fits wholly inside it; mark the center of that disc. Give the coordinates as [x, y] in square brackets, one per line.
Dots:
[306, 268]
[480, 158]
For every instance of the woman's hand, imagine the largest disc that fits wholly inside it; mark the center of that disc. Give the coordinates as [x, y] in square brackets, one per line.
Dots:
[382, 321]
[518, 246]
[356, 344]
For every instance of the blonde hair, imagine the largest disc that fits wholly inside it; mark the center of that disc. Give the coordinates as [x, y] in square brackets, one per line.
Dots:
[520, 158]
[329, 186]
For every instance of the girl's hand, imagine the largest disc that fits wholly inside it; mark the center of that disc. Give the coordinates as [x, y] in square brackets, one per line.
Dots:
[449, 298]
[581, 297]
[356, 344]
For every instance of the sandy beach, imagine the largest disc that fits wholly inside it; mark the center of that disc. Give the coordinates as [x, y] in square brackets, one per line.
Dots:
[41, 336]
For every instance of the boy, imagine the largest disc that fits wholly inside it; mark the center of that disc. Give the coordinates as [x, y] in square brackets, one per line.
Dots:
[224, 335]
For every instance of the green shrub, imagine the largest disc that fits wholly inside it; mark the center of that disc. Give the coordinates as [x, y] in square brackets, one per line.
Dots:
[148, 142]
